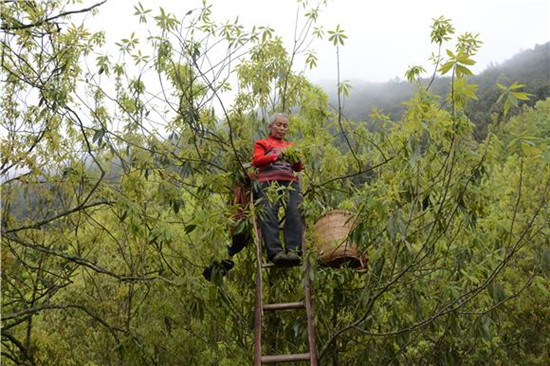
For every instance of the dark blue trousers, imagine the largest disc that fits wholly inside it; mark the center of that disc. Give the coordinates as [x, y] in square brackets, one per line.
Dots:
[289, 197]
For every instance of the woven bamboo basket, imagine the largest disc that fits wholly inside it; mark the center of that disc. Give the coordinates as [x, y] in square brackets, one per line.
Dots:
[331, 239]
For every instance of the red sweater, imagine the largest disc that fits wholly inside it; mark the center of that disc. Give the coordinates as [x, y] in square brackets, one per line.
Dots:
[270, 167]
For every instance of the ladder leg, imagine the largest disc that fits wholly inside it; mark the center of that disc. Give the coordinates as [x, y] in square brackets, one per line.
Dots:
[258, 309]
[258, 317]
[309, 309]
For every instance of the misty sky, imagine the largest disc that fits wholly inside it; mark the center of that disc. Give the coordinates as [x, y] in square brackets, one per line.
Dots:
[385, 37]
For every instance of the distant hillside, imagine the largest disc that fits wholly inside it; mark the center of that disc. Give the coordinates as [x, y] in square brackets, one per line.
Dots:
[530, 67]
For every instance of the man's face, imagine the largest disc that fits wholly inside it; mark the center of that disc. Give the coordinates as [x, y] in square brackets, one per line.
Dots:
[279, 128]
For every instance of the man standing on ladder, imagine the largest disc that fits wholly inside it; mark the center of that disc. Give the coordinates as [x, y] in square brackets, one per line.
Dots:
[277, 170]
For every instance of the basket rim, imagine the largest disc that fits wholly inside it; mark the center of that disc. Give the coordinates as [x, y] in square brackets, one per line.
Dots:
[333, 212]
[352, 219]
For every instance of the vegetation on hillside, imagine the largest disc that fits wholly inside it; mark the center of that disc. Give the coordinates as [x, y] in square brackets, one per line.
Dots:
[116, 183]
[529, 67]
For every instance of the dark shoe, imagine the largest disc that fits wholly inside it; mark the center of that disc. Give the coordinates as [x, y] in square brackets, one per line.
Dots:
[231, 251]
[207, 273]
[293, 259]
[280, 259]
[227, 264]
[217, 269]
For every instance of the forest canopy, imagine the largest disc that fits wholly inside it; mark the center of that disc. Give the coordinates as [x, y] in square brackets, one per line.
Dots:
[117, 173]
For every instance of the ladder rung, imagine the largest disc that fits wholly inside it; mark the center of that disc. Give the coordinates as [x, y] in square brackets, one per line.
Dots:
[284, 306]
[268, 265]
[285, 358]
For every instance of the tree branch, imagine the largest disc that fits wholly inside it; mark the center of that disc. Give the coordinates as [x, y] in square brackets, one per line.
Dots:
[49, 19]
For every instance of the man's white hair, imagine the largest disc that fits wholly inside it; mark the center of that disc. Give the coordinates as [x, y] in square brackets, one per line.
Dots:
[274, 116]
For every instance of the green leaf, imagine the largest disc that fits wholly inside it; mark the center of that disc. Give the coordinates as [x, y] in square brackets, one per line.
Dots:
[189, 228]
[344, 87]
[466, 61]
[502, 87]
[446, 67]
[378, 266]
[545, 262]
[98, 134]
[461, 70]
[413, 72]
[521, 95]
[414, 151]
[337, 36]
[441, 30]
[497, 292]
[515, 86]
[540, 283]
[311, 59]
[507, 105]
[176, 206]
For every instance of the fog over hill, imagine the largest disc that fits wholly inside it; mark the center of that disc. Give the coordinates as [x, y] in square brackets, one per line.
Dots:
[530, 67]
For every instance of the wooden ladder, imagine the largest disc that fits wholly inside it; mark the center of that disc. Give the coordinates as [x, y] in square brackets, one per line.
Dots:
[260, 307]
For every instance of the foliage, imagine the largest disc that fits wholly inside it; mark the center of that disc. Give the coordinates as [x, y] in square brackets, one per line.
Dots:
[529, 67]
[116, 192]
[292, 154]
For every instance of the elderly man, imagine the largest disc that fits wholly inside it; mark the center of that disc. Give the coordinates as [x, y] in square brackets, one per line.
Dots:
[275, 172]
